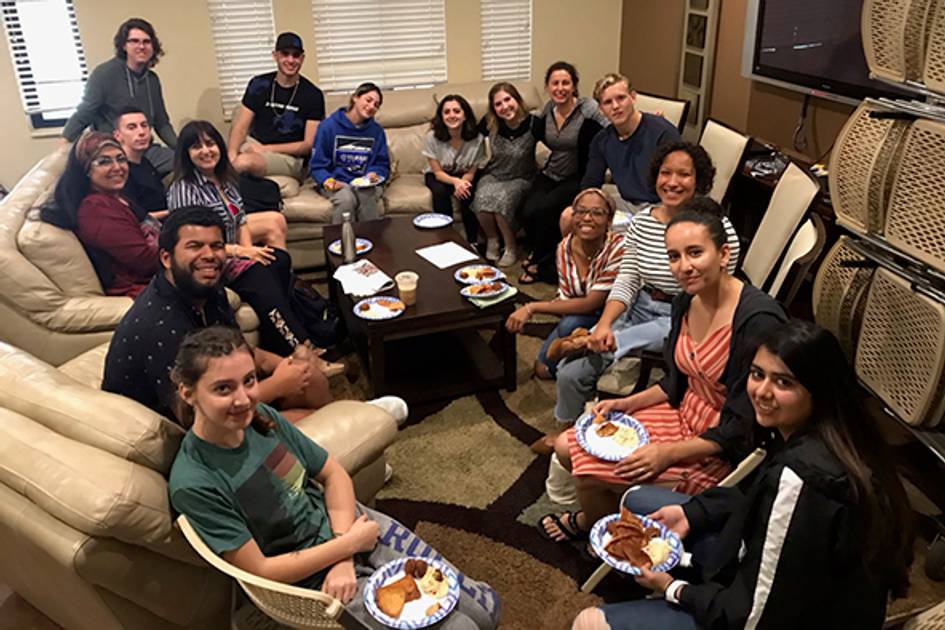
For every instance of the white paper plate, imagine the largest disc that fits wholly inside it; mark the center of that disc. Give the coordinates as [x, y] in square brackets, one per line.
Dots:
[362, 245]
[376, 311]
[475, 274]
[606, 448]
[413, 615]
[600, 537]
[469, 290]
[364, 182]
[432, 220]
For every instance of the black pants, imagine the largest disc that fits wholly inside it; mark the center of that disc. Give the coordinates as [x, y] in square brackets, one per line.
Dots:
[266, 289]
[539, 216]
[443, 204]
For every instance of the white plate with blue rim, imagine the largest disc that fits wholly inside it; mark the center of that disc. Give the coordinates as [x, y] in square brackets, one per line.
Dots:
[366, 182]
[484, 289]
[476, 274]
[600, 538]
[379, 308]
[611, 436]
[361, 246]
[432, 220]
[414, 614]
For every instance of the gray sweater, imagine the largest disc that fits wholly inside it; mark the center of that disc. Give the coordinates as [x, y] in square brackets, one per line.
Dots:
[113, 86]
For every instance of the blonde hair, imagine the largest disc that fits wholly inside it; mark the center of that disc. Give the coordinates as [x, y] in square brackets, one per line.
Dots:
[608, 80]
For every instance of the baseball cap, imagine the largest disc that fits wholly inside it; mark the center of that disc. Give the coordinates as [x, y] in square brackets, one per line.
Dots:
[289, 40]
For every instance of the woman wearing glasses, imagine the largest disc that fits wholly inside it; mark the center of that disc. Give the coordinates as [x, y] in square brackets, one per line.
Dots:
[119, 237]
[587, 261]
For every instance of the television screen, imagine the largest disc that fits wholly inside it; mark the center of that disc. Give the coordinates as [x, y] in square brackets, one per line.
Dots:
[815, 44]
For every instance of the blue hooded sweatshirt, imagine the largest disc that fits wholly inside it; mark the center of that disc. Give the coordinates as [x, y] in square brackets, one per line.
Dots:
[345, 151]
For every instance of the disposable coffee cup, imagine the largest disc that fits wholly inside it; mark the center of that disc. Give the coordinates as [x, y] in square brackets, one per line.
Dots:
[407, 286]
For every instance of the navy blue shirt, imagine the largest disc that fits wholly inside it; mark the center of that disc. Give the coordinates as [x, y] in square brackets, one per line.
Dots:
[144, 346]
[144, 186]
[628, 159]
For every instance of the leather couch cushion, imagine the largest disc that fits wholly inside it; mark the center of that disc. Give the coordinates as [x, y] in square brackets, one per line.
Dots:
[59, 255]
[288, 186]
[333, 426]
[307, 206]
[85, 416]
[87, 488]
[406, 107]
[405, 145]
[407, 194]
[87, 368]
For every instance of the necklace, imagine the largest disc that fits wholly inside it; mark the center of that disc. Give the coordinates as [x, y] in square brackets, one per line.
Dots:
[579, 249]
[272, 99]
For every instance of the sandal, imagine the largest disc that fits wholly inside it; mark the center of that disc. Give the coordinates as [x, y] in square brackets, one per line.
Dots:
[527, 278]
[566, 523]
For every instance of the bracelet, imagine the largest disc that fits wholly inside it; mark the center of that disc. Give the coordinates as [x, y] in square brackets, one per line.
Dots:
[672, 591]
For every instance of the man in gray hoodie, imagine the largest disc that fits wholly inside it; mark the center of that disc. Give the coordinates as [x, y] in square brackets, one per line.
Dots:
[123, 81]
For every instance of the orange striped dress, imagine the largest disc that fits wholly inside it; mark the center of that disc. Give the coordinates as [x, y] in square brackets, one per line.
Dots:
[699, 410]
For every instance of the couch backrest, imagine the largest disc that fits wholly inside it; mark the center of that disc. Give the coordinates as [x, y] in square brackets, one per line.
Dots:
[59, 255]
[105, 421]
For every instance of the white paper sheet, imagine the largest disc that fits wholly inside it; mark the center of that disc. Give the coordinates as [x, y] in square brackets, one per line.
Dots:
[446, 254]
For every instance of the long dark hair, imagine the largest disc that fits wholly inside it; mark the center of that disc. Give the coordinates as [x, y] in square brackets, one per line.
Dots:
[193, 356]
[703, 211]
[73, 186]
[189, 136]
[121, 37]
[468, 130]
[816, 359]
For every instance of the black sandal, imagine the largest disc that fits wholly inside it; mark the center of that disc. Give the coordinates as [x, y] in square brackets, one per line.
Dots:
[572, 531]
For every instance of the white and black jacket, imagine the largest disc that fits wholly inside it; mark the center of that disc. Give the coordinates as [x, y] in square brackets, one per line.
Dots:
[801, 566]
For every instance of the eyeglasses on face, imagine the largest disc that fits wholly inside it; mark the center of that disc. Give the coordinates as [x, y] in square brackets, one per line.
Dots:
[106, 161]
[135, 41]
[596, 213]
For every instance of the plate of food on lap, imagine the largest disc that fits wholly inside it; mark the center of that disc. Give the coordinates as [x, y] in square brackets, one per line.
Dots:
[361, 246]
[629, 542]
[610, 436]
[432, 220]
[475, 274]
[411, 593]
[484, 289]
[379, 308]
[366, 182]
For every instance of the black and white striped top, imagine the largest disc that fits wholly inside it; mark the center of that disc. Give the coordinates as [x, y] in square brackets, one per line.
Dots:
[645, 262]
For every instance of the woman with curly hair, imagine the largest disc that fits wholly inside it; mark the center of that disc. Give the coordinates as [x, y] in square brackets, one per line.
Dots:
[636, 314]
[454, 150]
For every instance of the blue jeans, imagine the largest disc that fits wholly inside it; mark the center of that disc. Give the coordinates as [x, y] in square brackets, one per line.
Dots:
[564, 328]
[645, 326]
[647, 499]
[647, 614]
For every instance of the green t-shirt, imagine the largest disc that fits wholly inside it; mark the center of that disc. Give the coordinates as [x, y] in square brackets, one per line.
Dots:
[263, 489]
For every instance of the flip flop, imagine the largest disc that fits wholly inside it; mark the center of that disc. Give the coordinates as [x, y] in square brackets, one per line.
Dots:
[572, 531]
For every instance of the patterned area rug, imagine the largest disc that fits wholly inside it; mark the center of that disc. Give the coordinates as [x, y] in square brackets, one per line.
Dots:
[466, 481]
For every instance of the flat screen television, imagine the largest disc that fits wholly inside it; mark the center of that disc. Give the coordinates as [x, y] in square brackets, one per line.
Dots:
[812, 46]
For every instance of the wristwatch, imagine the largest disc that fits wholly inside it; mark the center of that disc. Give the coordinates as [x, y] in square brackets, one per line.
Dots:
[672, 591]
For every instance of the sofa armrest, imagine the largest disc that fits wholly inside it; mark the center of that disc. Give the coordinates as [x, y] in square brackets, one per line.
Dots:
[85, 314]
[354, 432]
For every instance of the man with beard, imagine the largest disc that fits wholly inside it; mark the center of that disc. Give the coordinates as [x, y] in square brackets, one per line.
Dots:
[280, 111]
[187, 294]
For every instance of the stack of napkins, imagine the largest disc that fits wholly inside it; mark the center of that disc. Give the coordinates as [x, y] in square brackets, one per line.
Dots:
[362, 278]
[484, 302]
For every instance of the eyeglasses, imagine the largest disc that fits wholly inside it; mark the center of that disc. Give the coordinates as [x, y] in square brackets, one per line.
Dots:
[596, 213]
[134, 41]
[106, 161]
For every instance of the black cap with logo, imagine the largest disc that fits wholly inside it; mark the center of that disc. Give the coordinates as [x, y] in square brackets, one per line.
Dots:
[289, 40]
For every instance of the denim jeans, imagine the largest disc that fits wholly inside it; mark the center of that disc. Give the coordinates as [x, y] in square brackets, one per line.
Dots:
[647, 614]
[644, 326]
[564, 328]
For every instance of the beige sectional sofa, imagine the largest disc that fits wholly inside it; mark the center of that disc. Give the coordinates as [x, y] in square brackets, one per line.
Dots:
[405, 116]
[86, 532]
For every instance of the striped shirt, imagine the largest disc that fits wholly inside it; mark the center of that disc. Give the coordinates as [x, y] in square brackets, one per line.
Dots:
[601, 272]
[200, 191]
[645, 262]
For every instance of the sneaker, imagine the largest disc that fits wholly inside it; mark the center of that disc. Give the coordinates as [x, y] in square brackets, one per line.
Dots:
[394, 405]
[509, 257]
[492, 249]
[388, 473]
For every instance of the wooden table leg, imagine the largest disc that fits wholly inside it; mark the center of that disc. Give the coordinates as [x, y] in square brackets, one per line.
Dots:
[507, 344]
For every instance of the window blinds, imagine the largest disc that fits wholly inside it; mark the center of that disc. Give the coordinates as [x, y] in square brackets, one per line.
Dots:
[48, 59]
[506, 39]
[394, 43]
[243, 36]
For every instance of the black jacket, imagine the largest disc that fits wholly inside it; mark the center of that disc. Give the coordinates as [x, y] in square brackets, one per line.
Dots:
[756, 314]
[593, 122]
[802, 565]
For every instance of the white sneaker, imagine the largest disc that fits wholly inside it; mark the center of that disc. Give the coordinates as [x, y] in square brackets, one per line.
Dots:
[388, 473]
[509, 257]
[394, 405]
[492, 249]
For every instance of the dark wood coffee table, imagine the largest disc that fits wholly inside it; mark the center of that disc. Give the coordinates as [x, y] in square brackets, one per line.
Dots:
[437, 348]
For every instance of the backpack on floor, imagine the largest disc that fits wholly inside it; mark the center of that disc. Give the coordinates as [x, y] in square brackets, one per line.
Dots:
[320, 316]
